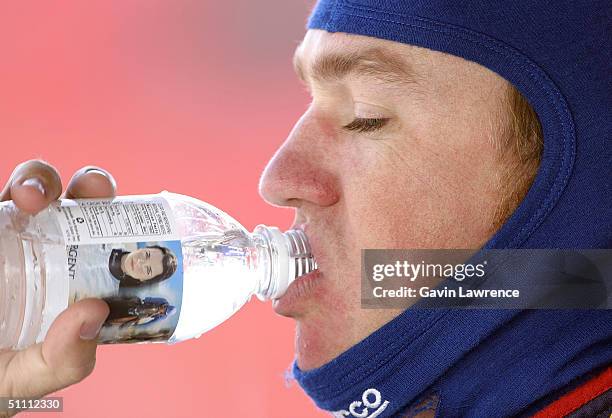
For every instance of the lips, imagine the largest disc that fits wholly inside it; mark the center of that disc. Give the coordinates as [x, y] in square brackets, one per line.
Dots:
[294, 301]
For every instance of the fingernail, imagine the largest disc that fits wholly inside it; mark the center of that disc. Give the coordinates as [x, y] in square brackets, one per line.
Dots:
[103, 173]
[35, 183]
[96, 171]
[89, 331]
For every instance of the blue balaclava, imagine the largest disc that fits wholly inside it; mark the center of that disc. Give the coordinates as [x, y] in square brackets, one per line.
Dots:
[494, 363]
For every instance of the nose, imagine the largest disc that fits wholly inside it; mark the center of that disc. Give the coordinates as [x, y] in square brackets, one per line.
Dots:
[302, 171]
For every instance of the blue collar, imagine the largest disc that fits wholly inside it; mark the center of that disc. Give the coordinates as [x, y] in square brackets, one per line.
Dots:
[479, 362]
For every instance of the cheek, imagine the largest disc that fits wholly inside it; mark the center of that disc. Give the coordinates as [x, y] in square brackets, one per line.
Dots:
[381, 197]
[417, 198]
[383, 218]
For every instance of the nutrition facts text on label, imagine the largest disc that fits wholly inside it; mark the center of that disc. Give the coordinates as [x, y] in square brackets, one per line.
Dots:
[88, 221]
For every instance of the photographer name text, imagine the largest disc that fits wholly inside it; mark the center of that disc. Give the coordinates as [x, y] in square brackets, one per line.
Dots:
[426, 292]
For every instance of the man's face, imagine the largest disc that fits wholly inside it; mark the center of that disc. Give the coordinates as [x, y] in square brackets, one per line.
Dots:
[396, 150]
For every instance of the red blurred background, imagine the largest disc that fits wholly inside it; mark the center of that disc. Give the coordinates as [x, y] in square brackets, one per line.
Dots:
[197, 95]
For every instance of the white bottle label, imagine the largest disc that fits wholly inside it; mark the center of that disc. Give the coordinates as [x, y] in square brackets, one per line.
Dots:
[131, 219]
[126, 251]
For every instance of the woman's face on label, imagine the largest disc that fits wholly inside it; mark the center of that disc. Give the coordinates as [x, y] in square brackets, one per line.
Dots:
[144, 263]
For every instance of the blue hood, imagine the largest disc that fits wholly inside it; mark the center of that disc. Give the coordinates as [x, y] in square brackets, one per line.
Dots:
[486, 363]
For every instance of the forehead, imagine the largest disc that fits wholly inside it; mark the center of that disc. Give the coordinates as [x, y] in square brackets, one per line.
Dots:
[318, 44]
[324, 56]
[425, 70]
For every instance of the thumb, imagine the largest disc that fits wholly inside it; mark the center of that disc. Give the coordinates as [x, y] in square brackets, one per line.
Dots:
[66, 356]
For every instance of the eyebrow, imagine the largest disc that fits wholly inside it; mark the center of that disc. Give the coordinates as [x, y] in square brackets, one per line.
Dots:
[374, 62]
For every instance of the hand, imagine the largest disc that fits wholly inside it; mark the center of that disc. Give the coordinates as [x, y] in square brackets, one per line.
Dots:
[68, 353]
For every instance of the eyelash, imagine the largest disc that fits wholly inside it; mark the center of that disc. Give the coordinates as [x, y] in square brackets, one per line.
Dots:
[366, 124]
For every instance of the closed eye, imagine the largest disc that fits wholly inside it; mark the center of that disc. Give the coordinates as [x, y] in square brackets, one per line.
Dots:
[366, 124]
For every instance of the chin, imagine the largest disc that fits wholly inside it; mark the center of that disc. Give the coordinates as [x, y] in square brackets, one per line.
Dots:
[313, 345]
[325, 306]
[324, 329]
[327, 329]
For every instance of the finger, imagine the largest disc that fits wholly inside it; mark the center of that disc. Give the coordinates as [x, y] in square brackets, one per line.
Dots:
[67, 355]
[91, 182]
[32, 186]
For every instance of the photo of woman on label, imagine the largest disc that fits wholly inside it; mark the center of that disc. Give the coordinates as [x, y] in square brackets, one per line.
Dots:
[103, 270]
[140, 281]
[143, 266]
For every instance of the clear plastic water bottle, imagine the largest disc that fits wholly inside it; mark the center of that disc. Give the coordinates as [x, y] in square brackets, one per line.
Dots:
[170, 267]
